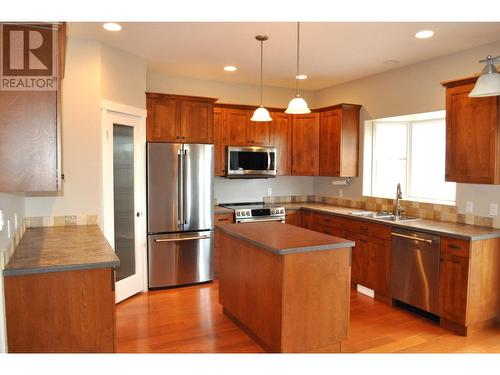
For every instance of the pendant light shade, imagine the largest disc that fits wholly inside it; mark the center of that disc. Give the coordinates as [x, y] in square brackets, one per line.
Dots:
[488, 83]
[261, 114]
[298, 105]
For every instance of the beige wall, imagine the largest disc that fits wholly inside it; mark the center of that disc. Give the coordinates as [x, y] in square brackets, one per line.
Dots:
[226, 92]
[93, 72]
[407, 90]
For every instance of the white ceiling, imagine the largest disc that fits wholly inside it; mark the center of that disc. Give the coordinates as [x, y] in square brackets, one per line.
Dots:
[331, 53]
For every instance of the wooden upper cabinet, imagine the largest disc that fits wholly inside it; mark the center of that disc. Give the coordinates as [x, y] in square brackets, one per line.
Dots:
[197, 121]
[472, 135]
[259, 133]
[177, 118]
[305, 145]
[219, 145]
[30, 129]
[235, 126]
[339, 134]
[282, 133]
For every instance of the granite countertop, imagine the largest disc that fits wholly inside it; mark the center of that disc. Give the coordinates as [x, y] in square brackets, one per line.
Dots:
[222, 210]
[284, 239]
[55, 249]
[461, 231]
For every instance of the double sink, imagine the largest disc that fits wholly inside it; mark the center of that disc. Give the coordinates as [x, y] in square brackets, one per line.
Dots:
[384, 215]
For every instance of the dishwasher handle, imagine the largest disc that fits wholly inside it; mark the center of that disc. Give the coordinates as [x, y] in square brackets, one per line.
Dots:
[411, 237]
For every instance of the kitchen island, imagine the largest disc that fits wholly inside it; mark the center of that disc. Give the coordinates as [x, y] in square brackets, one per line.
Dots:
[287, 287]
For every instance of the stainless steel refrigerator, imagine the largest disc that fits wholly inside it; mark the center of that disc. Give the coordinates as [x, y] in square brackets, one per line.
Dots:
[180, 213]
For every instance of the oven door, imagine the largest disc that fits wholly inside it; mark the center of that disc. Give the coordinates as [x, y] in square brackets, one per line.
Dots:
[260, 219]
[251, 162]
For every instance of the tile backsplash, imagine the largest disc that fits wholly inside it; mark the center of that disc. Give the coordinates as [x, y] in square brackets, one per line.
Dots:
[439, 212]
[60, 221]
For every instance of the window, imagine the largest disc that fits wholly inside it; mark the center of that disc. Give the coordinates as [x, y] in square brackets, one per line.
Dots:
[409, 150]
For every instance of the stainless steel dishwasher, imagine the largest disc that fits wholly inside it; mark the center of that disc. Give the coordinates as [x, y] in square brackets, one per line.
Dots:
[415, 269]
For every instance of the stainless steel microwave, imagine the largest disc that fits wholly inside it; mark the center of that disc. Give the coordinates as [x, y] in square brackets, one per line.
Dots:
[251, 162]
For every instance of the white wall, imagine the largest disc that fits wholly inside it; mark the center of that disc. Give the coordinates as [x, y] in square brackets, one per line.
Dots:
[226, 92]
[93, 72]
[408, 90]
[10, 204]
[253, 190]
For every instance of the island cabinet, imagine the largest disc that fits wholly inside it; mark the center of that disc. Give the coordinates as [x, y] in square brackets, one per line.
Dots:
[30, 124]
[218, 220]
[178, 118]
[469, 278]
[472, 135]
[282, 133]
[287, 287]
[338, 141]
[305, 145]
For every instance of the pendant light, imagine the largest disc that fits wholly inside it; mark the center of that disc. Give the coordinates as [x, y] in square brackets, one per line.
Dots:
[488, 83]
[261, 114]
[297, 105]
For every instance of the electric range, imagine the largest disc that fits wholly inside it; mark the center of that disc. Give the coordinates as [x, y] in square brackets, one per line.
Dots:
[256, 212]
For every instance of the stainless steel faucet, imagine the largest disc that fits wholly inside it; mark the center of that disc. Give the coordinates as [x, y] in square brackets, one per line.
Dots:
[398, 210]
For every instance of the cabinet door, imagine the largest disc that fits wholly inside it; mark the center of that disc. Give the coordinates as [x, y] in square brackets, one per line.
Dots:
[358, 251]
[219, 146]
[329, 144]
[471, 135]
[453, 281]
[282, 132]
[307, 220]
[305, 145]
[196, 122]
[294, 218]
[260, 133]
[163, 121]
[235, 126]
[28, 141]
[377, 265]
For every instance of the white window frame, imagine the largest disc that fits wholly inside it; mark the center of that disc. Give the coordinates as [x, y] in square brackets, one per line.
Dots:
[370, 149]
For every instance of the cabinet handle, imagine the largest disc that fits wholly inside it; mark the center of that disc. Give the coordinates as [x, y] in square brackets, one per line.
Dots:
[364, 228]
[364, 241]
[226, 219]
[452, 246]
[177, 137]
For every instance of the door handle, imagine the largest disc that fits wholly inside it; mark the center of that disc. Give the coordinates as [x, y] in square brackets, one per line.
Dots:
[182, 239]
[185, 215]
[180, 188]
[268, 160]
[411, 237]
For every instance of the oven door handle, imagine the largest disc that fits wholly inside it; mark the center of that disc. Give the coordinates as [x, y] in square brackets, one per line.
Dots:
[268, 161]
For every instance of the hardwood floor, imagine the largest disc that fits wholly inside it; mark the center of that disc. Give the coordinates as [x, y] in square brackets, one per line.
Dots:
[190, 320]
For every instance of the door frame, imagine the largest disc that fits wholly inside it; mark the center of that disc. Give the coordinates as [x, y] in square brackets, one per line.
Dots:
[111, 113]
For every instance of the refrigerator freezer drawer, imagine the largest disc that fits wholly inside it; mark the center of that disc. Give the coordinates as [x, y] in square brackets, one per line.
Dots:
[180, 258]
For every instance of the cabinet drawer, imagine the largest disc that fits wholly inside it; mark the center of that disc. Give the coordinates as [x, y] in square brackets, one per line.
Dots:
[369, 229]
[223, 218]
[337, 232]
[327, 220]
[454, 246]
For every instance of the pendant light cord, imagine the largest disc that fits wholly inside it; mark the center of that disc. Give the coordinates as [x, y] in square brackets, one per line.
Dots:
[261, 67]
[298, 53]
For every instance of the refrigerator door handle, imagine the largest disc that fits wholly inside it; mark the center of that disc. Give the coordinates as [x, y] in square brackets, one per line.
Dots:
[182, 239]
[185, 195]
[180, 187]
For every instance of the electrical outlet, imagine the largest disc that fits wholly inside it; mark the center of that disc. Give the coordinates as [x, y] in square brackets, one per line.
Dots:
[1, 221]
[469, 206]
[493, 209]
[8, 228]
[269, 191]
[15, 220]
[341, 193]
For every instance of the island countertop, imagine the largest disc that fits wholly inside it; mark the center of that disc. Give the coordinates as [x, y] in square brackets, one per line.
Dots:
[284, 239]
[56, 249]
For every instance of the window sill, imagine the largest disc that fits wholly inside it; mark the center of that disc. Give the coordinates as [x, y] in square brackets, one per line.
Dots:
[417, 200]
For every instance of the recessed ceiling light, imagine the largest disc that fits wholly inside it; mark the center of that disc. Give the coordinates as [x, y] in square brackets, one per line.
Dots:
[424, 34]
[391, 62]
[230, 68]
[301, 76]
[112, 26]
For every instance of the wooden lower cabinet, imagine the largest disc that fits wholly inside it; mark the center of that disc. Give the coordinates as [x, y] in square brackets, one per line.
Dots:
[294, 218]
[219, 219]
[61, 312]
[307, 220]
[453, 282]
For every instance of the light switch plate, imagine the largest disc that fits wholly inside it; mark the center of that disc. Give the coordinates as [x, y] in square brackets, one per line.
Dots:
[469, 206]
[269, 192]
[341, 193]
[493, 209]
